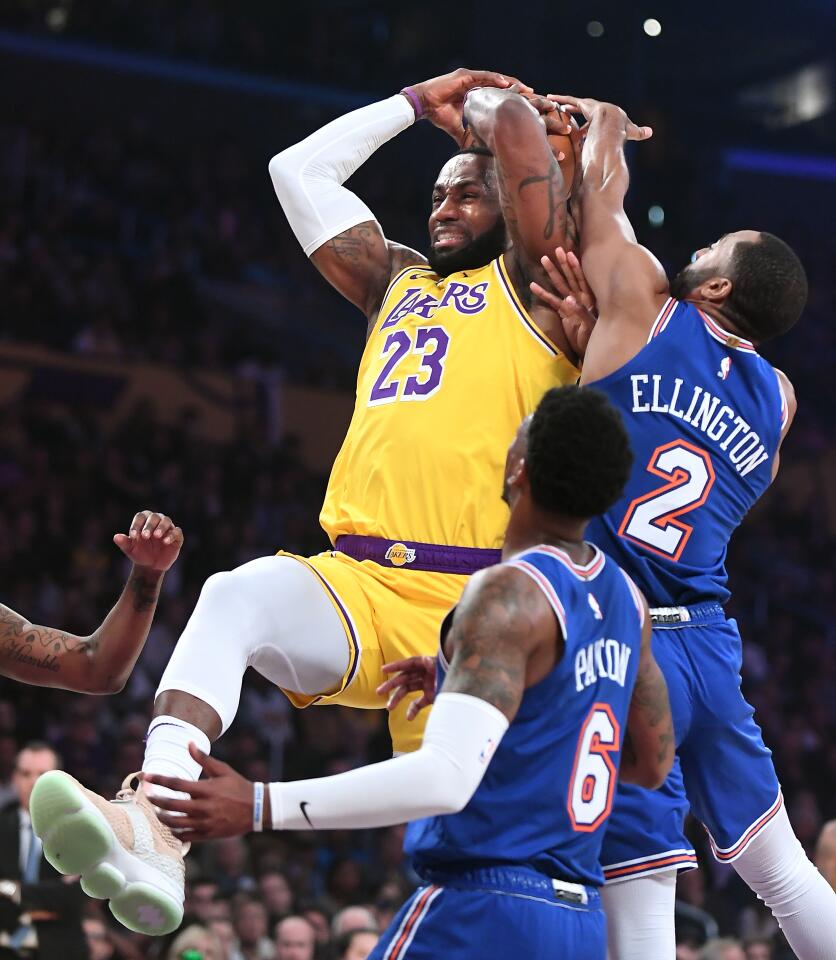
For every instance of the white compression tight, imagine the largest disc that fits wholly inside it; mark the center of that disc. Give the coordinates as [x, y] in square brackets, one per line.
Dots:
[640, 917]
[775, 866]
[271, 614]
[640, 912]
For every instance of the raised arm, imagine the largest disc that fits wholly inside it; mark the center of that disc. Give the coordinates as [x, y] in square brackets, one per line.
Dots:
[647, 756]
[531, 186]
[335, 228]
[628, 282]
[503, 630]
[103, 661]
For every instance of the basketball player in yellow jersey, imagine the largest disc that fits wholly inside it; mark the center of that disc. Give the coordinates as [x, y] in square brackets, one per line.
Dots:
[457, 355]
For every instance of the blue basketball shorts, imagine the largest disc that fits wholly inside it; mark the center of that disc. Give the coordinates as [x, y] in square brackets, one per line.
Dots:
[493, 914]
[722, 767]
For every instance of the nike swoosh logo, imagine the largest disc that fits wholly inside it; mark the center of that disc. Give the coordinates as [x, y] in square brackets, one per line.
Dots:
[302, 806]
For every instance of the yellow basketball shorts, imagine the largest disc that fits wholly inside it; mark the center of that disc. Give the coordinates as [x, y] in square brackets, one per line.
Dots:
[388, 613]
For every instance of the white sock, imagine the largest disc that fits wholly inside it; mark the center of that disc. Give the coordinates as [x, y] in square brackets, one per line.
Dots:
[640, 917]
[775, 866]
[167, 753]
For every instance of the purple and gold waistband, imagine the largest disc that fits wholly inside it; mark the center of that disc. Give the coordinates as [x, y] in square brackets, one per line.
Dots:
[411, 555]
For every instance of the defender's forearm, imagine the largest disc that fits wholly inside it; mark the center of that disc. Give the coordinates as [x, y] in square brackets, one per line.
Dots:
[604, 164]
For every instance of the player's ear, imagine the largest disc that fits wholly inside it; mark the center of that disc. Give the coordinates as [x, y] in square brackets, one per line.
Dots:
[519, 474]
[716, 289]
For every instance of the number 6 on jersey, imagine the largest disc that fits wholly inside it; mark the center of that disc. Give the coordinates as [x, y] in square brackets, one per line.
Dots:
[594, 774]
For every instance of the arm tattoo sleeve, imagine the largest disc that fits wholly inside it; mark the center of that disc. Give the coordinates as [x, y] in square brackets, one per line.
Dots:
[25, 644]
[492, 641]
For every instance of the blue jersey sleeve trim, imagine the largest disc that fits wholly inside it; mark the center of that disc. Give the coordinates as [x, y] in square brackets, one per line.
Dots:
[549, 592]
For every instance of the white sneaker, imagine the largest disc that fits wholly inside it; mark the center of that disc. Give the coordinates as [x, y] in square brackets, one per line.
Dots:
[120, 848]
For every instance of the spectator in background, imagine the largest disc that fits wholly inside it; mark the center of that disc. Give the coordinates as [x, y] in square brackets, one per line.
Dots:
[201, 943]
[225, 933]
[230, 866]
[726, 948]
[201, 895]
[826, 853]
[355, 944]
[353, 918]
[318, 919]
[295, 939]
[39, 911]
[8, 756]
[250, 922]
[758, 949]
[276, 894]
[687, 950]
[99, 944]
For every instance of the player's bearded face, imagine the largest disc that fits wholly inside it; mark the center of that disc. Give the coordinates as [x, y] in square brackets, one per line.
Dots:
[473, 252]
[689, 278]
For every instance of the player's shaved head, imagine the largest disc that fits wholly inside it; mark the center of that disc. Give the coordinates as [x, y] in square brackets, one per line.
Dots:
[755, 280]
[467, 229]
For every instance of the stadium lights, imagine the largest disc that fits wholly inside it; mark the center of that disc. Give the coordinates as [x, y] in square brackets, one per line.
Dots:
[656, 215]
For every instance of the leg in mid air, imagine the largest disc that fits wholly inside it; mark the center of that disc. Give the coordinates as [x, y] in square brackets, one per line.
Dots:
[274, 614]
[776, 868]
[731, 783]
[733, 790]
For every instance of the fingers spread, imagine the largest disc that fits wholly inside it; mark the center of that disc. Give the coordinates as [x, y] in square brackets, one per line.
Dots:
[548, 298]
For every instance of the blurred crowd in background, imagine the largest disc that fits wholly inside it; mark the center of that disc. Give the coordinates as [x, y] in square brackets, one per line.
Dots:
[116, 242]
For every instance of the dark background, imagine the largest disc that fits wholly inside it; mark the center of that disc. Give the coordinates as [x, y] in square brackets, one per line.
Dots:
[138, 225]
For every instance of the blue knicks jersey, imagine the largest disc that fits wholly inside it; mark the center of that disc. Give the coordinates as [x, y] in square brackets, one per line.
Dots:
[547, 794]
[704, 413]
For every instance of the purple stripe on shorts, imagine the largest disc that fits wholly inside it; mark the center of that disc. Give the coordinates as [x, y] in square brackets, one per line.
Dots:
[353, 636]
[411, 555]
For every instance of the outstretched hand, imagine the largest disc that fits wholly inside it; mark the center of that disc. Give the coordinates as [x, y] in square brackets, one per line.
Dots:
[411, 675]
[152, 541]
[571, 299]
[588, 107]
[219, 805]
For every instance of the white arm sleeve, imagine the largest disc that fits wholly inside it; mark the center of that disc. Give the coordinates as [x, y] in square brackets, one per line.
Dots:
[461, 736]
[308, 176]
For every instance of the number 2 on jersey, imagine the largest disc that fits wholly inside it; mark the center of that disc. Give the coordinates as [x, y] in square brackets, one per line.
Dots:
[653, 519]
[432, 344]
[594, 773]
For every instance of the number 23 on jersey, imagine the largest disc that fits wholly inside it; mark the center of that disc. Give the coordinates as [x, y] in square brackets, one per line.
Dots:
[431, 344]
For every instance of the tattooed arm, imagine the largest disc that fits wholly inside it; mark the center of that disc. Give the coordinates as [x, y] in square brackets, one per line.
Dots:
[532, 191]
[649, 744]
[335, 228]
[102, 662]
[504, 638]
[360, 262]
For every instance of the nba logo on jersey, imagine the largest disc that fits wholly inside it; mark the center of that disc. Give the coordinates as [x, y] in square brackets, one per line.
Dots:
[399, 554]
[596, 608]
[725, 367]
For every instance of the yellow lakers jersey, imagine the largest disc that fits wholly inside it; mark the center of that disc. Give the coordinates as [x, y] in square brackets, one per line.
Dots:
[450, 370]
